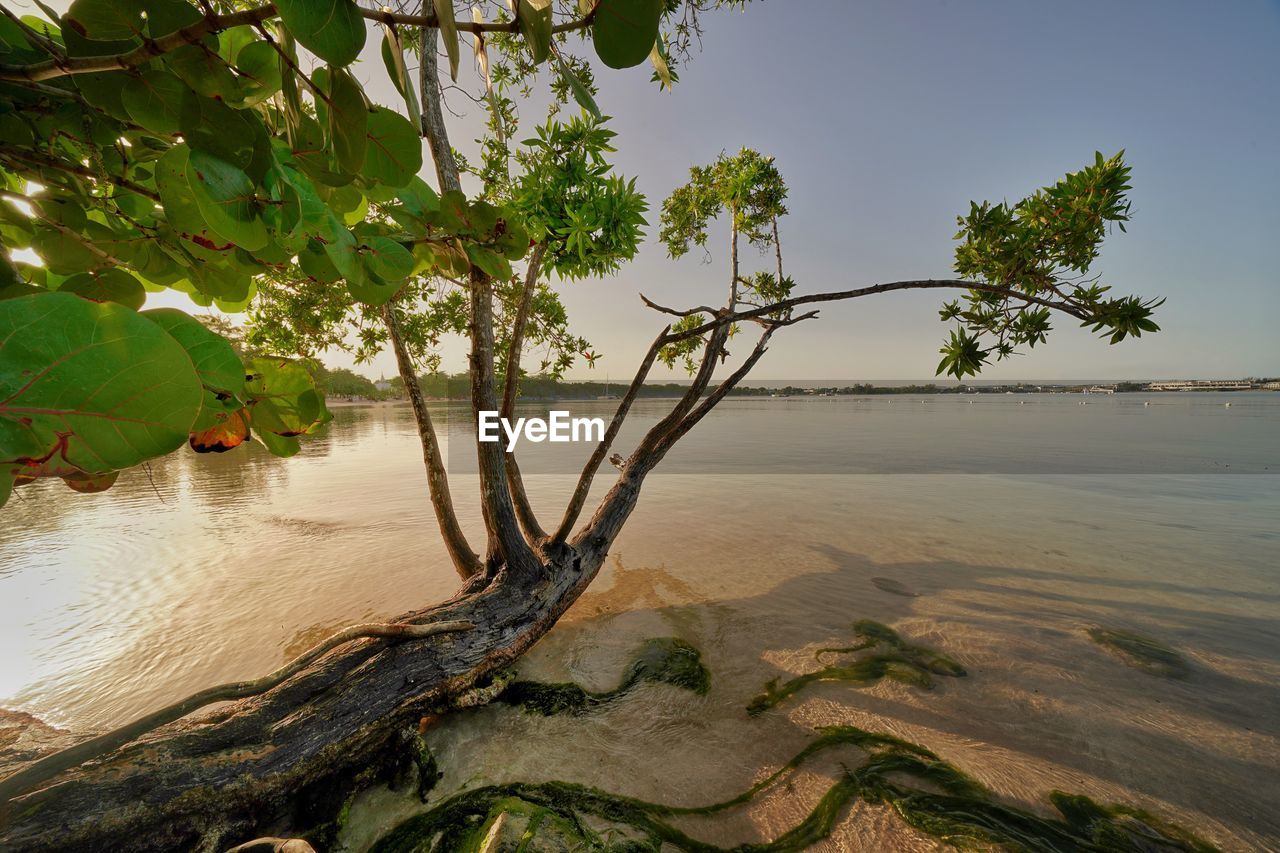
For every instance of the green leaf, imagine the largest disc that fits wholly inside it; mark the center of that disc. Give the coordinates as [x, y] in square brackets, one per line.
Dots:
[283, 397]
[388, 259]
[331, 29]
[581, 93]
[154, 100]
[224, 196]
[89, 387]
[658, 59]
[259, 63]
[493, 264]
[371, 290]
[449, 31]
[180, 210]
[104, 20]
[108, 285]
[235, 136]
[393, 154]
[347, 117]
[418, 197]
[624, 31]
[279, 445]
[342, 249]
[534, 17]
[205, 72]
[398, 70]
[220, 370]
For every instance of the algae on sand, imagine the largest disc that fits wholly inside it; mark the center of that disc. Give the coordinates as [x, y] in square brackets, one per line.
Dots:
[666, 660]
[1142, 652]
[928, 793]
[893, 658]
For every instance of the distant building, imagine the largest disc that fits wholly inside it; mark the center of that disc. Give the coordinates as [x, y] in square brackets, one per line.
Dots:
[1203, 385]
[382, 384]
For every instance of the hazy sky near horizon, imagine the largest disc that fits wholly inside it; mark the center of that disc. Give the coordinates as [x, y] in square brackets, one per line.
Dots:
[887, 118]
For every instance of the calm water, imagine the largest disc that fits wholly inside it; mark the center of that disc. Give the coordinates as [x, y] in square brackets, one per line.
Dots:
[758, 545]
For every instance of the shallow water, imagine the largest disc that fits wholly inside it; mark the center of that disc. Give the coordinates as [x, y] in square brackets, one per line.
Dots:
[208, 569]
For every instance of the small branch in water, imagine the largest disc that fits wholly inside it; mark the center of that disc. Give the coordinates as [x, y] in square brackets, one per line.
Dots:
[51, 765]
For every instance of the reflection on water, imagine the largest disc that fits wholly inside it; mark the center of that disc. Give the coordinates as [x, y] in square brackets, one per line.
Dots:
[214, 568]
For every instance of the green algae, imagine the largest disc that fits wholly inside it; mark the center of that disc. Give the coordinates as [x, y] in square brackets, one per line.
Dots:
[665, 660]
[1142, 652]
[928, 793]
[893, 658]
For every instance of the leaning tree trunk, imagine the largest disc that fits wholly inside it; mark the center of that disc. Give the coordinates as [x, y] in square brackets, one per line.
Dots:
[286, 760]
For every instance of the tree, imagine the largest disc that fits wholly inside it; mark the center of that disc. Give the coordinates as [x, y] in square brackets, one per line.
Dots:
[154, 143]
[346, 383]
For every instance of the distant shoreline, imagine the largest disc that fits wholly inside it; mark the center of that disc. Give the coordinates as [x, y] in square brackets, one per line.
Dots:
[793, 392]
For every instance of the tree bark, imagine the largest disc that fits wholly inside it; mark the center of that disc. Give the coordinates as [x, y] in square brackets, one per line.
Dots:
[464, 558]
[285, 761]
[511, 390]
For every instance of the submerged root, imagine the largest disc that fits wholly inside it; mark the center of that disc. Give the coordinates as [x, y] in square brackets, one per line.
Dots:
[1142, 652]
[928, 793]
[667, 660]
[893, 658]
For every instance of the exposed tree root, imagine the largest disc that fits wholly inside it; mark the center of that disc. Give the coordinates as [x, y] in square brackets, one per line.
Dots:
[95, 747]
[288, 758]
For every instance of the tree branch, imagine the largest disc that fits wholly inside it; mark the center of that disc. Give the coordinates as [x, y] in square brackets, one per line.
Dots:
[841, 295]
[81, 172]
[617, 505]
[722, 389]
[580, 492]
[464, 557]
[51, 765]
[524, 510]
[506, 543]
[210, 24]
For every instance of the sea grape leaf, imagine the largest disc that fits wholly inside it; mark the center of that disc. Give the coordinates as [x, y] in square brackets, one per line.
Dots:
[331, 29]
[228, 433]
[493, 264]
[89, 387]
[224, 196]
[109, 285]
[393, 153]
[283, 397]
[346, 115]
[388, 259]
[624, 31]
[418, 197]
[180, 210]
[90, 484]
[259, 64]
[205, 72]
[372, 290]
[535, 24]
[279, 445]
[220, 370]
[104, 20]
[167, 16]
[154, 100]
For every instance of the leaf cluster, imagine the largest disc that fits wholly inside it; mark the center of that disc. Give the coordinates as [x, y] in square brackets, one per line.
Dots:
[1043, 247]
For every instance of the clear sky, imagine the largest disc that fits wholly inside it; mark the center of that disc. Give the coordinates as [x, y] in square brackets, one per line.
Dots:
[886, 118]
